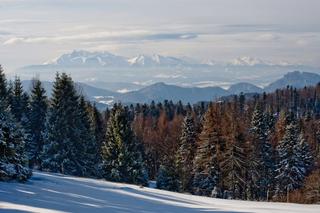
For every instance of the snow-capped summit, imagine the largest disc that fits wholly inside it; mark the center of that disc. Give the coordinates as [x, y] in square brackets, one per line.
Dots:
[139, 60]
[86, 58]
[249, 61]
[103, 59]
[209, 62]
[155, 60]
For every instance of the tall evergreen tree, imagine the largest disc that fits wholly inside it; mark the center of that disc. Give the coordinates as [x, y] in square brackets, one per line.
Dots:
[98, 128]
[262, 154]
[86, 138]
[185, 153]
[121, 151]
[13, 160]
[3, 85]
[167, 178]
[293, 162]
[20, 99]
[63, 143]
[304, 154]
[36, 125]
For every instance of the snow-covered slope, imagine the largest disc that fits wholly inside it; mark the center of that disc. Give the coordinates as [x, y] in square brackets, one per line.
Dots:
[58, 193]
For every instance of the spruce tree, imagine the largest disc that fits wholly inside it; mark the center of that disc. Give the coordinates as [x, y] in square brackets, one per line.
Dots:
[19, 102]
[122, 159]
[293, 162]
[98, 129]
[63, 144]
[304, 154]
[13, 160]
[3, 85]
[261, 180]
[167, 178]
[185, 153]
[36, 125]
[86, 138]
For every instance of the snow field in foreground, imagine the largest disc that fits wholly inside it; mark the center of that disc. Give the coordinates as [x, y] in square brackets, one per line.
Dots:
[55, 193]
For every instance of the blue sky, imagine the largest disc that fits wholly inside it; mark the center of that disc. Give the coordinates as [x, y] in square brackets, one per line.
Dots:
[33, 31]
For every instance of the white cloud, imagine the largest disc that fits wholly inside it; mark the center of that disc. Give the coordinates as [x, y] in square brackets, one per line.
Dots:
[267, 37]
[166, 76]
[216, 29]
[78, 37]
[126, 35]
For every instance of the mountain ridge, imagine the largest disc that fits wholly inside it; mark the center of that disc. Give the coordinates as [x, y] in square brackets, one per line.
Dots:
[161, 91]
[105, 66]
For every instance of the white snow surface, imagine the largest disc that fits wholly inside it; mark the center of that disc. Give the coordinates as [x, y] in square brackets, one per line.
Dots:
[53, 193]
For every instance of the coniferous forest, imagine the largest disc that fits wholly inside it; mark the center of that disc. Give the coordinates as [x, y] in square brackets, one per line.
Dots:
[263, 147]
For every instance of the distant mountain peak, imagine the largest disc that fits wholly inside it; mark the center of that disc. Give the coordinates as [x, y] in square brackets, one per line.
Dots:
[155, 60]
[87, 58]
[138, 60]
[244, 87]
[249, 61]
[209, 62]
[159, 84]
[296, 73]
[252, 61]
[295, 79]
[102, 59]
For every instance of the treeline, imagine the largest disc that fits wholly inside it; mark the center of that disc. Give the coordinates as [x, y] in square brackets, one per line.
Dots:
[65, 134]
[264, 147]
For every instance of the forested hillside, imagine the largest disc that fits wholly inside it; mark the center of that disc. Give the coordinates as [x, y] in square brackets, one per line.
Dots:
[264, 148]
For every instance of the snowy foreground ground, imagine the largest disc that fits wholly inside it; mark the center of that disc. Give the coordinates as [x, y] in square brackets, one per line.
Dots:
[58, 193]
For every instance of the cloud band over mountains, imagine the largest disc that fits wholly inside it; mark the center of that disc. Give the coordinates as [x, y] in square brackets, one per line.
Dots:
[286, 30]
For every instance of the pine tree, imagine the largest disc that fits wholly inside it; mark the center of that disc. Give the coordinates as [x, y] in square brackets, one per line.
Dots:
[185, 153]
[121, 151]
[63, 143]
[206, 167]
[98, 129]
[36, 125]
[20, 99]
[12, 156]
[167, 178]
[3, 86]
[304, 154]
[13, 161]
[262, 154]
[86, 137]
[293, 162]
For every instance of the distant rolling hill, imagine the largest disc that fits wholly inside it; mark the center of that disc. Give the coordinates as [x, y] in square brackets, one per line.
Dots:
[86, 90]
[161, 91]
[295, 79]
[244, 88]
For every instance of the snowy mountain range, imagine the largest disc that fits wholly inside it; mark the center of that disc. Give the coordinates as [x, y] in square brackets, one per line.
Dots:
[106, 59]
[85, 66]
